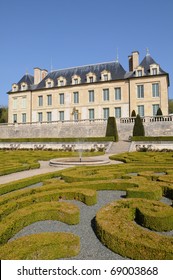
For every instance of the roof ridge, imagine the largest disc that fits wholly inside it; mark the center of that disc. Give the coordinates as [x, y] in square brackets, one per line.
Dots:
[109, 62]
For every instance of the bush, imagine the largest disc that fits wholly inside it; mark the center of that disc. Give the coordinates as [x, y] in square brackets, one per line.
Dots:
[111, 129]
[116, 228]
[42, 246]
[138, 129]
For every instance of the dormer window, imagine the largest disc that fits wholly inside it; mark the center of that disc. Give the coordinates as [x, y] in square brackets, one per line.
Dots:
[154, 69]
[23, 86]
[139, 72]
[61, 81]
[76, 80]
[91, 77]
[49, 83]
[15, 87]
[105, 76]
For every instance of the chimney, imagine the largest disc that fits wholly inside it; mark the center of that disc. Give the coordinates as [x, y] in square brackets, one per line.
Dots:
[39, 75]
[133, 60]
[44, 73]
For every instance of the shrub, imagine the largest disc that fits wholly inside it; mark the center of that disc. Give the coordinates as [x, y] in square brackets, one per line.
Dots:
[138, 129]
[159, 112]
[42, 246]
[111, 129]
[133, 114]
[116, 228]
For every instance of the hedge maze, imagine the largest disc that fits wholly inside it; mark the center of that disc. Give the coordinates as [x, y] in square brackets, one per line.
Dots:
[132, 227]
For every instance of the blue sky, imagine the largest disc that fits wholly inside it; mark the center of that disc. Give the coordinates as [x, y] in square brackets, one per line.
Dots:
[67, 33]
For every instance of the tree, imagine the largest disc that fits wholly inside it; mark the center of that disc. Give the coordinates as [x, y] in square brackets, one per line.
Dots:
[159, 112]
[170, 104]
[3, 114]
[133, 114]
[111, 129]
[138, 129]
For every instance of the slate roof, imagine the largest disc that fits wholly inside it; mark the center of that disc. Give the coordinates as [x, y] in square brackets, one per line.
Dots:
[114, 67]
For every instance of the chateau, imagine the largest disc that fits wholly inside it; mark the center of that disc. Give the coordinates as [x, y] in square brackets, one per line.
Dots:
[90, 92]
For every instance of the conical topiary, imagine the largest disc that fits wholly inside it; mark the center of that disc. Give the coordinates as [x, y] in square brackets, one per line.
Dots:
[133, 114]
[111, 129]
[138, 129]
[159, 112]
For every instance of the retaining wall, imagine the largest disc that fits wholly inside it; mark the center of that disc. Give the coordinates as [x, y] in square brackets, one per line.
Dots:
[86, 128]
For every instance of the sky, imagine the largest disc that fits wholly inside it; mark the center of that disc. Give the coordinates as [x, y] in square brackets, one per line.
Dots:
[58, 34]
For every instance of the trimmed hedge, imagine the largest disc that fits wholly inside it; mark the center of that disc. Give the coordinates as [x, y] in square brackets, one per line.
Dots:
[59, 140]
[152, 138]
[116, 228]
[61, 211]
[42, 246]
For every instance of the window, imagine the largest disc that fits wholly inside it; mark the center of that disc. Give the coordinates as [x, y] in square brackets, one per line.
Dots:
[105, 113]
[49, 84]
[155, 109]
[106, 94]
[139, 73]
[141, 110]
[140, 91]
[14, 118]
[155, 90]
[61, 83]
[61, 98]
[23, 86]
[91, 79]
[91, 95]
[40, 116]
[49, 116]
[118, 112]
[61, 115]
[75, 81]
[91, 114]
[14, 103]
[105, 77]
[24, 118]
[23, 102]
[118, 93]
[76, 97]
[49, 100]
[154, 71]
[40, 100]
[76, 115]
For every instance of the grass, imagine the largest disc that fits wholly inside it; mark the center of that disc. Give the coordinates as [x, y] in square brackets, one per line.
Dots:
[15, 161]
[121, 226]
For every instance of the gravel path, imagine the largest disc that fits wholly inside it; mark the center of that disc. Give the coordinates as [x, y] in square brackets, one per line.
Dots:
[91, 247]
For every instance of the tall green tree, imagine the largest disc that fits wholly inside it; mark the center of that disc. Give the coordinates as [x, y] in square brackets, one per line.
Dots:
[138, 129]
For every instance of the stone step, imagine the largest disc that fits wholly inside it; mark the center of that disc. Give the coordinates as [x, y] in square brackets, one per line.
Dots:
[119, 147]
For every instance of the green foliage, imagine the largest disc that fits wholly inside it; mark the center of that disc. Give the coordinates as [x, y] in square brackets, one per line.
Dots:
[159, 112]
[111, 129]
[133, 114]
[116, 228]
[59, 140]
[3, 114]
[42, 246]
[138, 129]
[170, 106]
[152, 138]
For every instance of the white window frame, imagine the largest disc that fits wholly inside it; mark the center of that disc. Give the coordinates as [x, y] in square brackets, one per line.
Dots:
[105, 94]
[76, 97]
[141, 110]
[140, 91]
[155, 90]
[49, 100]
[118, 93]
[106, 113]
[61, 98]
[155, 109]
[91, 113]
[117, 112]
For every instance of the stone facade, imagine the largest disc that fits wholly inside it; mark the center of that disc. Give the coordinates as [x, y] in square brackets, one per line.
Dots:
[90, 92]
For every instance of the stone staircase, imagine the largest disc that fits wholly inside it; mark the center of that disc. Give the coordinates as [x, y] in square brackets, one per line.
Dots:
[119, 147]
